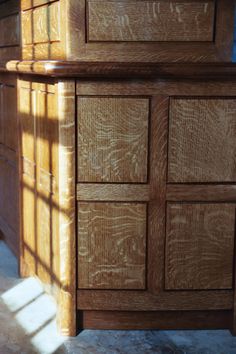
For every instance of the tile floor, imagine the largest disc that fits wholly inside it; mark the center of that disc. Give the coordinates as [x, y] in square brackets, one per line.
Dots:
[27, 326]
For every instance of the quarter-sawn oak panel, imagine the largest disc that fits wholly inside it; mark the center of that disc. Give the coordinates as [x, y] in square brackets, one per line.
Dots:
[121, 21]
[111, 245]
[112, 139]
[199, 246]
[202, 144]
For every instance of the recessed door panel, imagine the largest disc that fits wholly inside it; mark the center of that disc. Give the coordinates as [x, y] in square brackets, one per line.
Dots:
[199, 246]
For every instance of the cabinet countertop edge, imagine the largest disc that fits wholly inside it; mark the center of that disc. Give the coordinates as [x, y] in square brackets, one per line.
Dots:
[118, 70]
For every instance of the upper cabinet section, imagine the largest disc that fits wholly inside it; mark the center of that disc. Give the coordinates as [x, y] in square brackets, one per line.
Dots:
[9, 30]
[128, 30]
[156, 31]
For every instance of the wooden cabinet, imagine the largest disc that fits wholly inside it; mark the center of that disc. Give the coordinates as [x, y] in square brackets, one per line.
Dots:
[127, 165]
[128, 200]
[114, 30]
[155, 227]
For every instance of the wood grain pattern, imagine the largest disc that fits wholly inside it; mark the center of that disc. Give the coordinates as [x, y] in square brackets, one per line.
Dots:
[176, 86]
[207, 193]
[199, 246]
[9, 206]
[9, 217]
[112, 192]
[39, 168]
[121, 21]
[46, 164]
[223, 37]
[137, 300]
[163, 320]
[10, 116]
[8, 8]
[41, 25]
[9, 30]
[202, 145]
[43, 32]
[156, 215]
[47, 117]
[67, 317]
[27, 126]
[79, 48]
[112, 139]
[111, 245]
[217, 72]
[29, 4]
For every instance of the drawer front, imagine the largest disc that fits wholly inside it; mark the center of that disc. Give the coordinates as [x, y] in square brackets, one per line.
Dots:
[202, 144]
[160, 21]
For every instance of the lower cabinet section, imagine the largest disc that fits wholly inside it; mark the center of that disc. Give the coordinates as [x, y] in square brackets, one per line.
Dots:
[155, 223]
[128, 200]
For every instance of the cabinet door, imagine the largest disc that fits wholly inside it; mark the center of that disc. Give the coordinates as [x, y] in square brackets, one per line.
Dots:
[140, 246]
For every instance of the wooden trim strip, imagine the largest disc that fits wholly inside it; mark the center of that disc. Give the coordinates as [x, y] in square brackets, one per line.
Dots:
[87, 69]
[204, 193]
[67, 230]
[224, 37]
[163, 320]
[112, 192]
[157, 204]
[142, 301]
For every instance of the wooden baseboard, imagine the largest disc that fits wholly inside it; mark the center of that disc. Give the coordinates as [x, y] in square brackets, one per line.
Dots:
[163, 320]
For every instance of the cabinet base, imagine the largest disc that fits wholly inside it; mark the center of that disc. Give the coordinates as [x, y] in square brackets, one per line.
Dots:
[162, 320]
